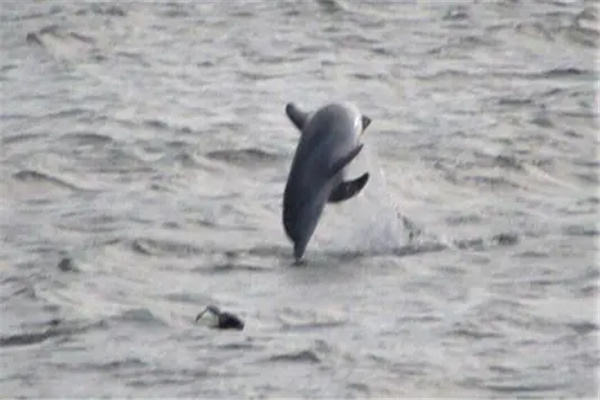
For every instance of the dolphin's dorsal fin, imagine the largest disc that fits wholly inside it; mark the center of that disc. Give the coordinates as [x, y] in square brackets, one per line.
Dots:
[297, 116]
[342, 162]
[366, 121]
[348, 189]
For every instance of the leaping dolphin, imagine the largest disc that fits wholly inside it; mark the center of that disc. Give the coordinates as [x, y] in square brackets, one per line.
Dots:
[329, 142]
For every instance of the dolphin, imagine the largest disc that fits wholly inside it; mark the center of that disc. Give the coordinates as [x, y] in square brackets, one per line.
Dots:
[329, 141]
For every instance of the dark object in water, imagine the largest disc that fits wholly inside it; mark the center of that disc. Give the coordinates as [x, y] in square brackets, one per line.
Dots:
[33, 39]
[67, 265]
[225, 320]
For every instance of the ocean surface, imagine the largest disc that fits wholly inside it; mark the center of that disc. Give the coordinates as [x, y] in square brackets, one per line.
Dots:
[144, 153]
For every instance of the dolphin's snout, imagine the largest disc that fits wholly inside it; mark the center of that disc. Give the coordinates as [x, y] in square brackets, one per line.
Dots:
[299, 249]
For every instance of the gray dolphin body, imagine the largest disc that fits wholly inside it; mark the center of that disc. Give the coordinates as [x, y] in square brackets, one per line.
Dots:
[328, 143]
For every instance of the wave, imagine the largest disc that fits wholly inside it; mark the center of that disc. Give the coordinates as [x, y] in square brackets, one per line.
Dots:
[152, 247]
[244, 157]
[33, 176]
[87, 138]
[302, 356]
[56, 328]
[138, 316]
[567, 72]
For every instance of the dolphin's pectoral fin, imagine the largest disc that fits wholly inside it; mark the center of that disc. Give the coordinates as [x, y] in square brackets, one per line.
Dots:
[297, 116]
[348, 189]
[342, 162]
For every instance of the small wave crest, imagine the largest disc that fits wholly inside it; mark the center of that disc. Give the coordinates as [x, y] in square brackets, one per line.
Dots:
[54, 329]
[64, 44]
[308, 356]
[37, 177]
[138, 316]
[296, 320]
[152, 247]
[244, 157]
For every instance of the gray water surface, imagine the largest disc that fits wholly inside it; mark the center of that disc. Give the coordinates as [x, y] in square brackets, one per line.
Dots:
[144, 152]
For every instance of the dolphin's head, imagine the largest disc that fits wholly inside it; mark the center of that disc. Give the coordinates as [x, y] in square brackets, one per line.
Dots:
[347, 113]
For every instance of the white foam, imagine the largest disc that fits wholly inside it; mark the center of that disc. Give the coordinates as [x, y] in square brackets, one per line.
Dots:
[368, 222]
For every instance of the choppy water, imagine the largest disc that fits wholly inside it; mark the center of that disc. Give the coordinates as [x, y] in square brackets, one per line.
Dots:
[144, 154]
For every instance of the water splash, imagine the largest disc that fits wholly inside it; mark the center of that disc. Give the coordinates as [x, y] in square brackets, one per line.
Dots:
[368, 223]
